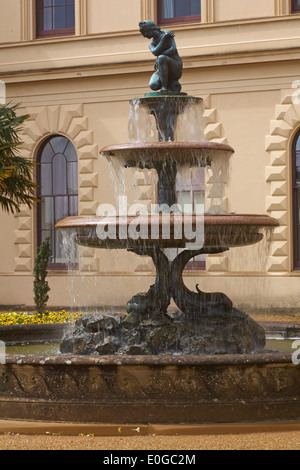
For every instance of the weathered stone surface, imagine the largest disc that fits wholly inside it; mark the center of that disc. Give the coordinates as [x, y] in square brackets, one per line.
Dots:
[216, 333]
[160, 389]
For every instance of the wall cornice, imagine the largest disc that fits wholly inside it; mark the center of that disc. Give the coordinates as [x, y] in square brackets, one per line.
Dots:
[138, 62]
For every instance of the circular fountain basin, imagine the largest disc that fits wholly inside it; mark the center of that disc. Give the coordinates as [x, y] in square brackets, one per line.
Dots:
[167, 231]
[149, 154]
[150, 390]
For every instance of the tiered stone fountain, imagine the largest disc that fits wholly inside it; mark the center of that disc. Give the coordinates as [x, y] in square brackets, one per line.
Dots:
[206, 363]
[209, 324]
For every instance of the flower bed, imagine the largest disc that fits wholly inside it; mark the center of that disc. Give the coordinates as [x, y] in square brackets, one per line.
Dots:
[28, 318]
[30, 327]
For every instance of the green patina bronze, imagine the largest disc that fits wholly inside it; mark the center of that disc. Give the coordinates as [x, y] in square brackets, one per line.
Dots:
[168, 65]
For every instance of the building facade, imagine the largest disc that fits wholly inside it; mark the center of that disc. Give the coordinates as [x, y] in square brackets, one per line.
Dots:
[74, 65]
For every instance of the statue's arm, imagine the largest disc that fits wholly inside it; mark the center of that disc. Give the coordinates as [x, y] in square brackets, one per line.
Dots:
[171, 51]
[161, 46]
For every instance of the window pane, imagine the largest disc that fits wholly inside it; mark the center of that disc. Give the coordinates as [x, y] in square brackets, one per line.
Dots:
[296, 5]
[73, 206]
[46, 180]
[61, 208]
[297, 222]
[59, 175]
[298, 141]
[70, 153]
[298, 168]
[72, 178]
[47, 213]
[47, 19]
[168, 9]
[182, 8]
[59, 18]
[195, 7]
[59, 144]
[47, 154]
[55, 15]
[70, 16]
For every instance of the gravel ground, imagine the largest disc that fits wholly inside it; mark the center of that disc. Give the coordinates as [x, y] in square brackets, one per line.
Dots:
[252, 441]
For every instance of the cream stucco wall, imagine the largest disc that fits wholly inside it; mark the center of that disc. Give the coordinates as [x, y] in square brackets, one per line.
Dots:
[242, 59]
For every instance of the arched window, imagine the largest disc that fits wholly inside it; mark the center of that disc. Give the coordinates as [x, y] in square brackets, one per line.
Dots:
[296, 200]
[58, 193]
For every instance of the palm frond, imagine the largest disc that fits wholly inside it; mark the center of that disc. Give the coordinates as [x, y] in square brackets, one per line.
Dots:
[16, 184]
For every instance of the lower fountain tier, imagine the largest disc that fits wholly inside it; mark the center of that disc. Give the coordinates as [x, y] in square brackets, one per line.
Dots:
[151, 154]
[167, 231]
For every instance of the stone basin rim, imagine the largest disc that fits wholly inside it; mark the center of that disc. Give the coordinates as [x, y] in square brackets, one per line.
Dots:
[241, 220]
[173, 145]
[264, 357]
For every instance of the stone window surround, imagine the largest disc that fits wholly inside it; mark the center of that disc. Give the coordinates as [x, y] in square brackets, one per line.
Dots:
[28, 19]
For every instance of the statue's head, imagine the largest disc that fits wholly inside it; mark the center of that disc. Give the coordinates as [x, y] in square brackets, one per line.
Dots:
[147, 28]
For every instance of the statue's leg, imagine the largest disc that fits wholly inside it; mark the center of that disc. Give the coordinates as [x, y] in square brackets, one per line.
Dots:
[162, 64]
[155, 83]
[193, 304]
[155, 302]
[175, 73]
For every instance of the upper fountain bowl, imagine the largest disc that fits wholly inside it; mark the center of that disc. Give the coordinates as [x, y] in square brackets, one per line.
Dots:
[167, 231]
[149, 154]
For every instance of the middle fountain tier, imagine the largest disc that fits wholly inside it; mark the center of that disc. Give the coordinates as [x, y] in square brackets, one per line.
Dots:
[173, 123]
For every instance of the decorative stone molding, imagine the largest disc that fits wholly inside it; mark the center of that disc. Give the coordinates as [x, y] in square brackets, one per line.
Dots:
[81, 17]
[148, 10]
[278, 203]
[207, 11]
[70, 121]
[282, 7]
[27, 20]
